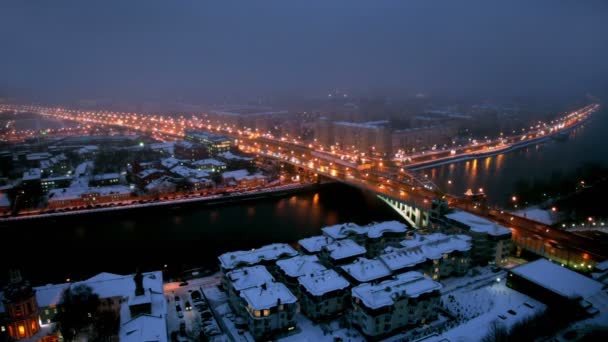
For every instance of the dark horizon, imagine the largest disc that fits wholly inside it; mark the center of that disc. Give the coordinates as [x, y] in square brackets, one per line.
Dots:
[197, 52]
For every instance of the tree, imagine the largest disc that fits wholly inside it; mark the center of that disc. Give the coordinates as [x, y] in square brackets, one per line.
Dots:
[77, 310]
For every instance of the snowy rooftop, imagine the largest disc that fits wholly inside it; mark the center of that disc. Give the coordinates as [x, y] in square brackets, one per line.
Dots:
[4, 200]
[82, 168]
[105, 176]
[378, 229]
[435, 245]
[341, 231]
[246, 277]
[231, 156]
[240, 175]
[146, 328]
[403, 257]
[274, 251]
[365, 270]
[602, 266]
[49, 295]
[31, 174]
[75, 192]
[300, 265]
[170, 162]
[478, 224]
[108, 285]
[410, 284]
[314, 244]
[558, 279]
[342, 249]
[208, 161]
[189, 173]
[322, 282]
[267, 296]
[147, 172]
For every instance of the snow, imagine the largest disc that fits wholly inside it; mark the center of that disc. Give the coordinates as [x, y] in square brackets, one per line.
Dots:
[403, 257]
[169, 163]
[300, 265]
[147, 172]
[247, 277]
[558, 279]
[242, 174]
[209, 161]
[187, 172]
[274, 251]
[105, 176]
[478, 224]
[4, 200]
[376, 230]
[268, 296]
[538, 215]
[50, 295]
[602, 266]
[231, 156]
[341, 231]
[75, 192]
[322, 282]
[314, 244]
[108, 285]
[365, 270]
[144, 328]
[32, 174]
[328, 332]
[343, 249]
[478, 307]
[411, 284]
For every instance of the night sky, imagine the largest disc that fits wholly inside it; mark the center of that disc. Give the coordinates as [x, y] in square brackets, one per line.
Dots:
[204, 50]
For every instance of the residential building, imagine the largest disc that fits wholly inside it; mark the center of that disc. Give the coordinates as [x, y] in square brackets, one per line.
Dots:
[365, 270]
[271, 309]
[104, 179]
[266, 255]
[85, 196]
[190, 151]
[408, 300]
[234, 161]
[323, 294]
[210, 165]
[51, 183]
[214, 143]
[293, 268]
[375, 236]
[314, 244]
[241, 279]
[341, 252]
[243, 179]
[491, 242]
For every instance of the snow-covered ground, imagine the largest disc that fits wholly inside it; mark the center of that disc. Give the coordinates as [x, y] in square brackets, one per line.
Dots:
[476, 307]
[539, 215]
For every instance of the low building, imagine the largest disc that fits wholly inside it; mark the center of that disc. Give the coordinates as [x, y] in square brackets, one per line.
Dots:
[51, 183]
[375, 236]
[266, 255]
[241, 279]
[169, 163]
[243, 179]
[408, 300]
[366, 270]
[234, 161]
[491, 242]
[210, 165]
[558, 287]
[293, 268]
[214, 143]
[314, 244]
[323, 294]
[85, 196]
[146, 176]
[49, 298]
[271, 310]
[341, 252]
[104, 179]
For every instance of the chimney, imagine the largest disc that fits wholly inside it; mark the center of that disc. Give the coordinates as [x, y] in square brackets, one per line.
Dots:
[138, 278]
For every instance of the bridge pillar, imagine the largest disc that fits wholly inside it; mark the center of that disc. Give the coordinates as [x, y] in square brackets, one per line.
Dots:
[416, 217]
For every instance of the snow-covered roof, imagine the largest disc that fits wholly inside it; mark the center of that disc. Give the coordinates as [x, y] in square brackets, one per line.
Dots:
[87, 149]
[32, 174]
[231, 156]
[403, 257]
[322, 282]
[145, 328]
[147, 172]
[268, 296]
[241, 174]
[342, 249]
[50, 295]
[558, 279]
[37, 156]
[376, 230]
[274, 251]
[538, 215]
[108, 285]
[189, 173]
[410, 284]
[602, 266]
[314, 244]
[75, 192]
[300, 265]
[208, 161]
[82, 168]
[169, 162]
[246, 277]
[478, 224]
[341, 231]
[434, 245]
[365, 270]
[105, 176]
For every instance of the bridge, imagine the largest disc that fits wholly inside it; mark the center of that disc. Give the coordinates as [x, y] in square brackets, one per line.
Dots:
[416, 199]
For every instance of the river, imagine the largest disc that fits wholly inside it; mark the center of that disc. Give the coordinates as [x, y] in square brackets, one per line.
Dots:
[498, 175]
[79, 247]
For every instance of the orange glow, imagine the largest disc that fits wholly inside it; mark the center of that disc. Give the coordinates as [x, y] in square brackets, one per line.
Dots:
[21, 329]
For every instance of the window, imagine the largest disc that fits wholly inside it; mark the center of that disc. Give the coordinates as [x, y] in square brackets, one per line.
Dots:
[21, 330]
[266, 313]
[257, 313]
[46, 311]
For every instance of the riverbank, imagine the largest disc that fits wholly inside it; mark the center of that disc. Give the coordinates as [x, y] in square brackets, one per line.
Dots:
[235, 197]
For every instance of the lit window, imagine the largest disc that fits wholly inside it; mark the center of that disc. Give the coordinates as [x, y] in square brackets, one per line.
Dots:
[266, 313]
[256, 313]
[21, 330]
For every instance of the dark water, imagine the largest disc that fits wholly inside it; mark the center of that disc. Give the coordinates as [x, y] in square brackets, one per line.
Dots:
[150, 238]
[498, 175]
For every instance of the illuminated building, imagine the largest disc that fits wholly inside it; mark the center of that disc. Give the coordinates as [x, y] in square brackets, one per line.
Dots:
[21, 307]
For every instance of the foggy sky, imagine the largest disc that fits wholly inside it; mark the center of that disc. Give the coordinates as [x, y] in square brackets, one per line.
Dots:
[196, 49]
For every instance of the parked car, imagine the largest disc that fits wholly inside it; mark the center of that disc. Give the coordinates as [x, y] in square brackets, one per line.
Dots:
[195, 295]
[188, 306]
[206, 314]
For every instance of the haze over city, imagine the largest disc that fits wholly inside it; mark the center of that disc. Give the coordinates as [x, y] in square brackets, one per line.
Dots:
[303, 171]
